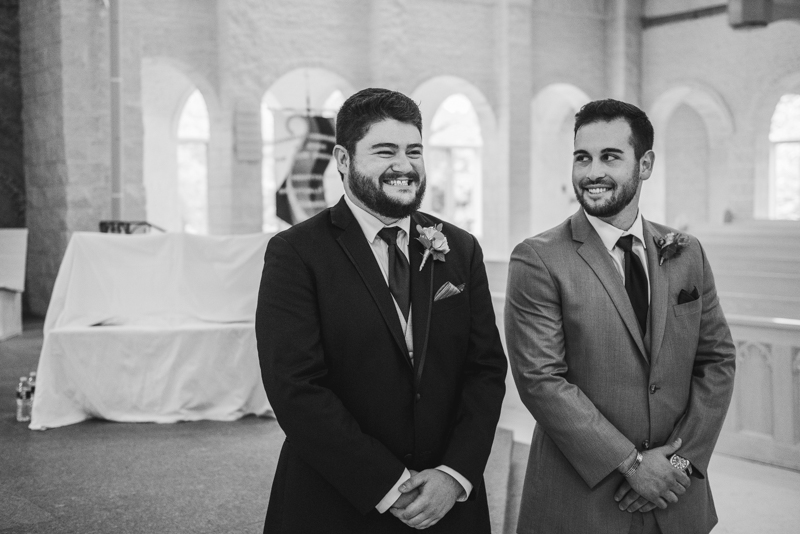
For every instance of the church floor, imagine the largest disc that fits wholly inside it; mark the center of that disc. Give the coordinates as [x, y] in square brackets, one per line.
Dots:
[214, 477]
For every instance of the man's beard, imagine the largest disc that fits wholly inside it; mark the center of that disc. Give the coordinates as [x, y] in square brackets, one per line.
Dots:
[620, 196]
[376, 200]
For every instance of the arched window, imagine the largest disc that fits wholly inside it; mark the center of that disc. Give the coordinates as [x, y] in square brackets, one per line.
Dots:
[453, 164]
[269, 182]
[784, 136]
[334, 189]
[333, 103]
[193, 133]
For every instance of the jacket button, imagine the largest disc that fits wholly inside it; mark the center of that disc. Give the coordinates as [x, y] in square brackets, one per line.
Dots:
[419, 397]
[646, 444]
[654, 388]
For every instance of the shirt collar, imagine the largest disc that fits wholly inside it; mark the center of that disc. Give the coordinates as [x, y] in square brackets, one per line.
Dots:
[370, 224]
[610, 234]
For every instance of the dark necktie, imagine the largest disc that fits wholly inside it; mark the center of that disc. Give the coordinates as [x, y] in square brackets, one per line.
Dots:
[399, 270]
[635, 281]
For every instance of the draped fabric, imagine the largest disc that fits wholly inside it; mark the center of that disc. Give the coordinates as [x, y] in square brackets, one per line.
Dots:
[153, 327]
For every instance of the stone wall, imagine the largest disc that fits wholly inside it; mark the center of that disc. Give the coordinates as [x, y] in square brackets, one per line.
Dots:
[502, 53]
[12, 177]
[730, 77]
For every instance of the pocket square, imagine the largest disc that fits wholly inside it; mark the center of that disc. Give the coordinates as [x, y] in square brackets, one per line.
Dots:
[684, 296]
[448, 290]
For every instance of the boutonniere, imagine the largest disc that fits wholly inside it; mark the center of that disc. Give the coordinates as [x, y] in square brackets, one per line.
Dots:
[670, 246]
[434, 241]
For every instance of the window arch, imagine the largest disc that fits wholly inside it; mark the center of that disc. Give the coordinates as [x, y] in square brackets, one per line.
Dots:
[285, 102]
[333, 103]
[269, 180]
[334, 188]
[784, 137]
[193, 134]
[454, 163]
[552, 198]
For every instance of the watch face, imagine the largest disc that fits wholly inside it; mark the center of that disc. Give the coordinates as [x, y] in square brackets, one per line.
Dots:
[678, 462]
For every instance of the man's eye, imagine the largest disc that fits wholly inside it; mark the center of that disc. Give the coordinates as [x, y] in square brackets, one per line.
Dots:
[581, 159]
[415, 154]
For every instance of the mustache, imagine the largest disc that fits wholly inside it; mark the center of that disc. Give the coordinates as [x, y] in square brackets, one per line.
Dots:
[588, 182]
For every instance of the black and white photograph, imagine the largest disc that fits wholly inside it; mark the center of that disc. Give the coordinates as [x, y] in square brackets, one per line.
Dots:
[385, 266]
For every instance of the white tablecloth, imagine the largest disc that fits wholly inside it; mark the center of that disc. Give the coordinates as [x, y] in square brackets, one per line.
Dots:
[13, 248]
[174, 338]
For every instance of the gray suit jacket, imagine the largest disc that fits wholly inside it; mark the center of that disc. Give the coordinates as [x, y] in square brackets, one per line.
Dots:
[597, 388]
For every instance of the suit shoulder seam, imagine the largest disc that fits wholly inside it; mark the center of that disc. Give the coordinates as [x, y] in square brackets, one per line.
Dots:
[528, 244]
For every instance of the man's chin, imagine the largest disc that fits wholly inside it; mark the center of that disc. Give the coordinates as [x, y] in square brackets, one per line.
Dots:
[403, 198]
[606, 208]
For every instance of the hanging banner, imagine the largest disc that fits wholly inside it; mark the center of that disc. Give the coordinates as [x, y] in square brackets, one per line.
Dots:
[302, 195]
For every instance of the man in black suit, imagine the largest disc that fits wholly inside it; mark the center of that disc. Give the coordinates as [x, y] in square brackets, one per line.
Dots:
[378, 347]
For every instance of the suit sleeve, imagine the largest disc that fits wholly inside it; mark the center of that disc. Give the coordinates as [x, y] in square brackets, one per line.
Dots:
[712, 381]
[535, 338]
[483, 379]
[293, 368]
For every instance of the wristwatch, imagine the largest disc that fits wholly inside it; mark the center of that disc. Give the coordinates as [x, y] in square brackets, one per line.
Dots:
[679, 462]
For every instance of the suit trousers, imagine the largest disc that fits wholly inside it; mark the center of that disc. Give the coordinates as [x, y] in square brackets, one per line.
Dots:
[644, 524]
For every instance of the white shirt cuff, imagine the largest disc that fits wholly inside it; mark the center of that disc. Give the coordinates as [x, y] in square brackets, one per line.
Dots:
[461, 480]
[393, 494]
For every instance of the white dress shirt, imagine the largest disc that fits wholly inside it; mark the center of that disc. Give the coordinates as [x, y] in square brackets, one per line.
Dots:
[610, 234]
[371, 225]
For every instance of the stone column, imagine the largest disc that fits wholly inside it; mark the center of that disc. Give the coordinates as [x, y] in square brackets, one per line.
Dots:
[515, 80]
[624, 50]
[12, 177]
[64, 63]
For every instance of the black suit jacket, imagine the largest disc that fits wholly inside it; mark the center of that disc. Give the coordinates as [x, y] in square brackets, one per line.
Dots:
[355, 411]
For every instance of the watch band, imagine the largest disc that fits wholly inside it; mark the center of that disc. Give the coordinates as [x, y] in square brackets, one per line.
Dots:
[634, 466]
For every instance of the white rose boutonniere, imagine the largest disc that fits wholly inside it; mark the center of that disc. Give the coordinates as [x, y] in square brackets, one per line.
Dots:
[434, 241]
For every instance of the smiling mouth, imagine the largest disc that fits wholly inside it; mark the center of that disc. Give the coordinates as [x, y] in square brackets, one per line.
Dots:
[597, 190]
[399, 182]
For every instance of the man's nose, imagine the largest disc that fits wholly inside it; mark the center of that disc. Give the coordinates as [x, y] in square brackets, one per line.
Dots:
[402, 164]
[596, 170]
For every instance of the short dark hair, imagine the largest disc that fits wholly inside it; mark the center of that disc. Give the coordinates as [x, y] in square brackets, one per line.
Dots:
[369, 106]
[609, 110]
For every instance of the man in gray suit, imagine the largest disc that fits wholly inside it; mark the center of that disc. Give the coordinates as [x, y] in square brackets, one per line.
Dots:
[619, 349]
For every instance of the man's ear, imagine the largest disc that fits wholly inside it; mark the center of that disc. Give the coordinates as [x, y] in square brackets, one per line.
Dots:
[646, 164]
[342, 158]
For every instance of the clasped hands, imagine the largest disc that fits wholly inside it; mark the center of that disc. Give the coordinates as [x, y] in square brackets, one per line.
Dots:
[656, 483]
[426, 497]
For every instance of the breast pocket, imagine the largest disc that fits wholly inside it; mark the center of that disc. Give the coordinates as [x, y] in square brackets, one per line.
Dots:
[449, 303]
[688, 307]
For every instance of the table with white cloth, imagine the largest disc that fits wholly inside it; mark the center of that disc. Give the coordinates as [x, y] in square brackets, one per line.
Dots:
[153, 327]
[13, 249]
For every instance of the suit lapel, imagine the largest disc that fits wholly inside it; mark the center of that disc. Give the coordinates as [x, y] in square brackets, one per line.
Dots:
[357, 248]
[594, 252]
[659, 290]
[421, 293]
